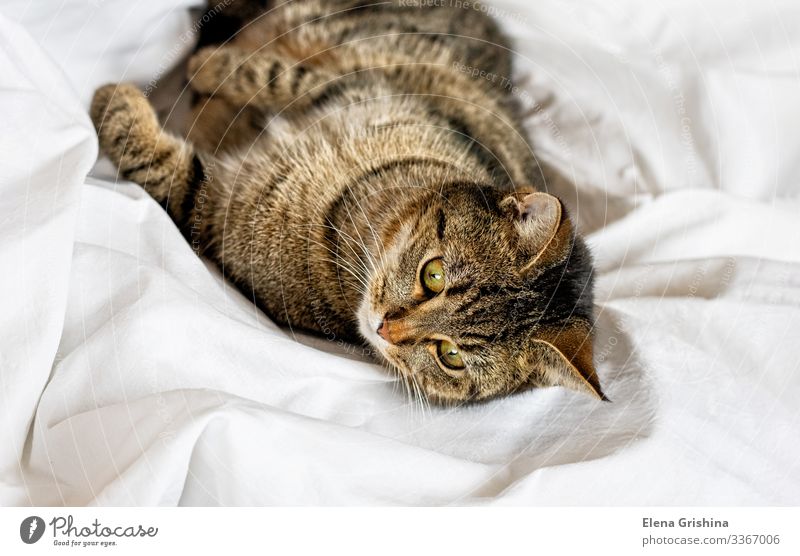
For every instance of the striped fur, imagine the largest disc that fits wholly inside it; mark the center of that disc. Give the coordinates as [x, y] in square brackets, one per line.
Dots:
[338, 145]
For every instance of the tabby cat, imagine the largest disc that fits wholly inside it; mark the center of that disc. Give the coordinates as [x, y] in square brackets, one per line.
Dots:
[360, 170]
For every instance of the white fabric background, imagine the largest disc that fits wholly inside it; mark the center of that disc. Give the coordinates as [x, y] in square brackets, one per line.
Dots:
[132, 374]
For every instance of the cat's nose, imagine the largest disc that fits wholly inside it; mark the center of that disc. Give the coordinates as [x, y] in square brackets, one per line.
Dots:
[397, 330]
[383, 331]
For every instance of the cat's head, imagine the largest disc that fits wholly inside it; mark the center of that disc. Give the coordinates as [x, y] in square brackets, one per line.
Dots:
[479, 294]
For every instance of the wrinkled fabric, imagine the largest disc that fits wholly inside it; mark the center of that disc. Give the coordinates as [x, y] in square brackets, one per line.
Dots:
[132, 373]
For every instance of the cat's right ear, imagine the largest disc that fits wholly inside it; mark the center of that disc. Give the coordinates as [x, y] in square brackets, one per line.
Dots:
[563, 356]
[538, 218]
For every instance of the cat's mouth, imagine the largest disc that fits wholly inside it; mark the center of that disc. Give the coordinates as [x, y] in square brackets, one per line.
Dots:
[369, 322]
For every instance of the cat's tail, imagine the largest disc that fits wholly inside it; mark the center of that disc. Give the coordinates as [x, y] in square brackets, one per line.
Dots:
[165, 165]
[223, 19]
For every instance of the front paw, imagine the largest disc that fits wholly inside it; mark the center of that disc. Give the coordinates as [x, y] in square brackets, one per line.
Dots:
[121, 113]
[210, 67]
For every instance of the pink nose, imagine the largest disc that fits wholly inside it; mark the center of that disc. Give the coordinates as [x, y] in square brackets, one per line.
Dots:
[383, 331]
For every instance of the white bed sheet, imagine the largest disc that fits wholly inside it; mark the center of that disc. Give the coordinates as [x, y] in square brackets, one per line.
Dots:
[133, 374]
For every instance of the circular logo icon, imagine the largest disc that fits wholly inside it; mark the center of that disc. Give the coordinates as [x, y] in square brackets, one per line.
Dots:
[31, 529]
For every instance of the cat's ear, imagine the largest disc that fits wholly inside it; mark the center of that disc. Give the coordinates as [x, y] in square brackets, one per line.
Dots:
[563, 356]
[539, 220]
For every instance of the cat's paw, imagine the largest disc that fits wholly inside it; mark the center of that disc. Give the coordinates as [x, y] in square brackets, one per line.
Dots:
[121, 114]
[210, 67]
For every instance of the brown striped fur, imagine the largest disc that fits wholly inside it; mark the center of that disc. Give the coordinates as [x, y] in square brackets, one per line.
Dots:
[337, 146]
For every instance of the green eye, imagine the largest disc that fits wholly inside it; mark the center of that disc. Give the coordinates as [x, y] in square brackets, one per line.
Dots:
[449, 355]
[433, 276]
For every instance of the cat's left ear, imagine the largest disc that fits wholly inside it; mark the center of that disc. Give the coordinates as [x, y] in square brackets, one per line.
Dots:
[563, 356]
[540, 220]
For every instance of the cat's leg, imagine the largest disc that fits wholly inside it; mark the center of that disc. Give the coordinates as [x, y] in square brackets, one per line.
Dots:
[218, 126]
[166, 166]
[264, 80]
